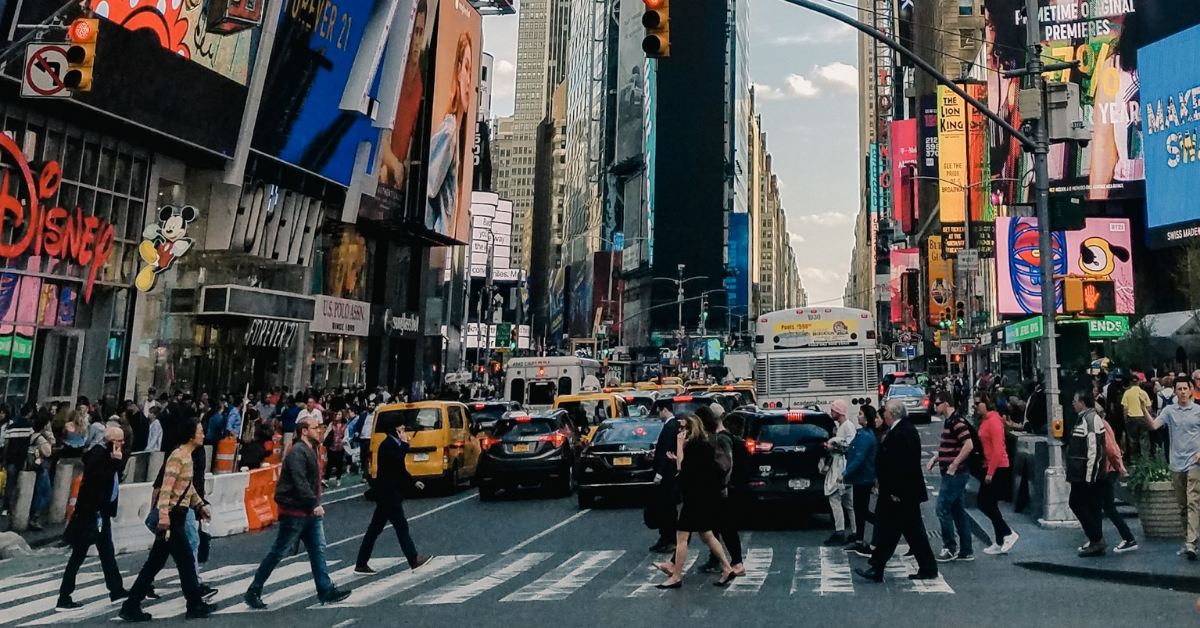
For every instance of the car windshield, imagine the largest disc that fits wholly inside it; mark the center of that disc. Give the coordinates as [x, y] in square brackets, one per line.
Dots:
[488, 413]
[905, 391]
[413, 420]
[587, 411]
[633, 434]
[789, 434]
[513, 430]
[689, 407]
[542, 393]
[641, 402]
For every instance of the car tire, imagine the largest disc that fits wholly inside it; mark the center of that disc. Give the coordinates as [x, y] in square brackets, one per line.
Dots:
[487, 492]
[586, 499]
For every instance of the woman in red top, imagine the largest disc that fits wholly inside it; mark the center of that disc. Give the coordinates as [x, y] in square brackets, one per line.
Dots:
[991, 487]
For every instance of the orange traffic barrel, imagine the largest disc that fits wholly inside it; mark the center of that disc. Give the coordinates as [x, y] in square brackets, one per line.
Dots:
[226, 450]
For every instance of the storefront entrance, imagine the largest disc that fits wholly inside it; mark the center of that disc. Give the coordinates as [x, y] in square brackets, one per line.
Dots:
[58, 364]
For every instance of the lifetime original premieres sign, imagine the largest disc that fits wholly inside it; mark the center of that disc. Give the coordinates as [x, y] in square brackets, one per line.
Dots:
[53, 231]
[341, 316]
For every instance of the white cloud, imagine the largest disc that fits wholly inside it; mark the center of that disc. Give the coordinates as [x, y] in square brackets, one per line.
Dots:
[795, 238]
[838, 33]
[838, 75]
[763, 91]
[801, 87]
[795, 86]
[504, 79]
[826, 219]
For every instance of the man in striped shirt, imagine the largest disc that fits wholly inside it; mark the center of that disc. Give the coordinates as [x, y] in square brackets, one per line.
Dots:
[954, 448]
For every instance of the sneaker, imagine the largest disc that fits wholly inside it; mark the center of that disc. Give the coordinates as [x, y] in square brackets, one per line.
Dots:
[837, 539]
[1126, 546]
[1093, 550]
[134, 614]
[1009, 542]
[421, 560]
[201, 610]
[864, 550]
[364, 570]
[1089, 544]
[67, 604]
[993, 549]
[335, 595]
[965, 558]
[944, 556]
[207, 591]
[253, 599]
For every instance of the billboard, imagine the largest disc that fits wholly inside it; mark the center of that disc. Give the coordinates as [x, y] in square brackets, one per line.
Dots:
[631, 81]
[952, 157]
[579, 301]
[454, 105]
[928, 164]
[1172, 169]
[300, 118]
[904, 165]
[815, 333]
[901, 260]
[738, 285]
[1100, 249]
[941, 280]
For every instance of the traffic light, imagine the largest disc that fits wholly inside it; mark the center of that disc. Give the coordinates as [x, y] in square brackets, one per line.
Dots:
[704, 311]
[960, 313]
[81, 56]
[1089, 296]
[657, 21]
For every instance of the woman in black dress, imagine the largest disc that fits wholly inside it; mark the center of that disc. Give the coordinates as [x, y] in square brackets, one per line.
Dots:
[700, 484]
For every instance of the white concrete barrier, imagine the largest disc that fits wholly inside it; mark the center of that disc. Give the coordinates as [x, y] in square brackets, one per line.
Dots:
[154, 463]
[227, 499]
[60, 490]
[130, 533]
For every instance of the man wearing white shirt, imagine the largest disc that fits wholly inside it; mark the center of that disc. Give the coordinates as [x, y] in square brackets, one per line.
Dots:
[841, 499]
[310, 411]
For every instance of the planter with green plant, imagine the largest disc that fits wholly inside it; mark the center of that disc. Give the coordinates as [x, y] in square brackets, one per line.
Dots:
[1150, 483]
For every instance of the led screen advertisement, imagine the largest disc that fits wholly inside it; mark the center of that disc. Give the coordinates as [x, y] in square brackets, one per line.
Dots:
[1100, 249]
[454, 105]
[904, 166]
[738, 285]
[902, 260]
[1170, 86]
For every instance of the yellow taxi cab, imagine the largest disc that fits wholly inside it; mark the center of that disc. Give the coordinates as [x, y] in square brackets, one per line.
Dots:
[618, 389]
[588, 410]
[744, 388]
[443, 450]
[696, 386]
[664, 388]
[673, 380]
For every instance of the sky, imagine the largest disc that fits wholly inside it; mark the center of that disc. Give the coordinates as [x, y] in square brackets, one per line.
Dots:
[804, 68]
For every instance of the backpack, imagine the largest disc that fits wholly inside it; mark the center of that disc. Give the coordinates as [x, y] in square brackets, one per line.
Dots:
[976, 460]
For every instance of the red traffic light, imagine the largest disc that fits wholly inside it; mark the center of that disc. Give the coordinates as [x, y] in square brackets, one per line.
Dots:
[84, 30]
[653, 4]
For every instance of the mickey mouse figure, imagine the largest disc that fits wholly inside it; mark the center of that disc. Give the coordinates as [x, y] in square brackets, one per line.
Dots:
[164, 242]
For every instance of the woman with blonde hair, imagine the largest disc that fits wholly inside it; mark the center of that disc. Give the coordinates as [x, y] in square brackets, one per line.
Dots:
[700, 483]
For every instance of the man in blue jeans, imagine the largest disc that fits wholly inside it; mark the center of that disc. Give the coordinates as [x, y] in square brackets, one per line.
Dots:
[298, 495]
[953, 450]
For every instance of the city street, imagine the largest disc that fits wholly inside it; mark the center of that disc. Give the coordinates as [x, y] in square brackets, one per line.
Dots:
[531, 560]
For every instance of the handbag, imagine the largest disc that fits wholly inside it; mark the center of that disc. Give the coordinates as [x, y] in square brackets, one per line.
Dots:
[152, 516]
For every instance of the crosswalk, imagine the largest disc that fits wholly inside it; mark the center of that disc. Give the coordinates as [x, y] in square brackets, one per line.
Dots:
[522, 577]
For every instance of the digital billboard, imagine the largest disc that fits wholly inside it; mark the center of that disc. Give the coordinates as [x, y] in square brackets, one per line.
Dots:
[738, 285]
[454, 106]
[1101, 249]
[941, 280]
[902, 260]
[1169, 85]
[904, 164]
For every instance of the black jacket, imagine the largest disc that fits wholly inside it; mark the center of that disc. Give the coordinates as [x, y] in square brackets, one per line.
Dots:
[299, 484]
[899, 465]
[392, 479]
[667, 442]
[100, 472]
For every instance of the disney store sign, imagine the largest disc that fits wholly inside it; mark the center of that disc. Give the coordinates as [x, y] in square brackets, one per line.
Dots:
[37, 229]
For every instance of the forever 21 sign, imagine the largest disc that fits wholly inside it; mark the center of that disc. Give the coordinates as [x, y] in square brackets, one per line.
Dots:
[37, 229]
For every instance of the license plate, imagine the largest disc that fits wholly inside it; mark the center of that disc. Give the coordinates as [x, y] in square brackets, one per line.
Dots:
[798, 484]
[421, 457]
[520, 449]
[622, 462]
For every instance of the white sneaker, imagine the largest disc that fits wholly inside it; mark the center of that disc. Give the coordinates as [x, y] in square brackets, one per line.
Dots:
[993, 549]
[1009, 542]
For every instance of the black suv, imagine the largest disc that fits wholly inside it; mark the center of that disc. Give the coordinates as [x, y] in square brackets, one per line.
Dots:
[786, 449]
[528, 451]
[620, 459]
[485, 412]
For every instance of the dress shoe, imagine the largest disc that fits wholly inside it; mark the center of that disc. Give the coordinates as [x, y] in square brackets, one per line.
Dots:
[334, 596]
[676, 585]
[872, 574]
[67, 604]
[134, 614]
[923, 575]
[201, 610]
[421, 560]
[253, 599]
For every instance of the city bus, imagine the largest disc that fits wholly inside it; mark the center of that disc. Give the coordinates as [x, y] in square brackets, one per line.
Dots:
[535, 382]
[810, 357]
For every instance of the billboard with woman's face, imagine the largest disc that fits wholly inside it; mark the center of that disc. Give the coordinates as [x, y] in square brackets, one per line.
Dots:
[456, 77]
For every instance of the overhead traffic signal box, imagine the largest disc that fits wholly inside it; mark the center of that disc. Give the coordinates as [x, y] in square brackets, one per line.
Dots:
[1089, 296]
[657, 20]
[81, 55]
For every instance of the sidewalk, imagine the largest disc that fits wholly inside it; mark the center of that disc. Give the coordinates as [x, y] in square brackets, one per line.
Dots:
[1154, 564]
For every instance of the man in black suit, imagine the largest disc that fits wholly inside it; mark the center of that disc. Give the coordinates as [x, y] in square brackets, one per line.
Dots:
[666, 494]
[387, 491]
[901, 492]
[91, 523]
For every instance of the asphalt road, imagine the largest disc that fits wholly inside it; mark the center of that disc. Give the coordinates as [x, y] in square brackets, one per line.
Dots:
[533, 560]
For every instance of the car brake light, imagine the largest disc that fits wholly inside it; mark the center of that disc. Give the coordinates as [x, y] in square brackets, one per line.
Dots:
[523, 419]
[762, 448]
[795, 416]
[446, 456]
[683, 398]
[629, 399]
[558, 438]
[925, 402]
[750, 445]
[479, 406]
[486, 442]
[729, 388]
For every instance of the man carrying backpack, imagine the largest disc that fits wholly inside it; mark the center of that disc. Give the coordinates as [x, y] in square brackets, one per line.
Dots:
[1086, 470]
[954, 451]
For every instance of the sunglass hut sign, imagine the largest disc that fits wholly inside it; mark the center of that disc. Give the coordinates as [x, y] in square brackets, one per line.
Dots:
[32, 227]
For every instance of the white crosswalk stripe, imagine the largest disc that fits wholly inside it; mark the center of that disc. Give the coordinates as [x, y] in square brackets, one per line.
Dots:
[483, 580]
[178, 606]
[379, 590]
[824, 571]
[936, 585]
[297, 592]
[640, 582]
[47, 603]
[48, 585]
[758, 565]
[565, 579]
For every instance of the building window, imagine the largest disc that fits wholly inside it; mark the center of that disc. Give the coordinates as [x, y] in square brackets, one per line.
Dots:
[966, 7]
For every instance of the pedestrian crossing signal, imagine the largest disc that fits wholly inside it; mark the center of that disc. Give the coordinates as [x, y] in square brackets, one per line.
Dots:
[81, 55]
[657, 21]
